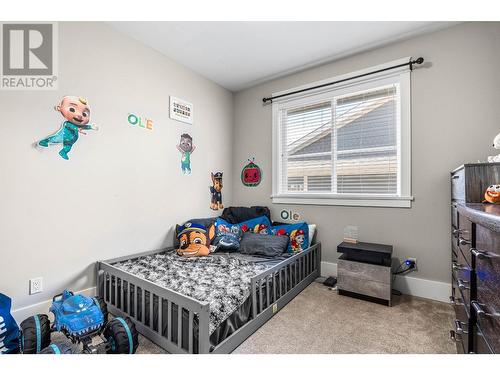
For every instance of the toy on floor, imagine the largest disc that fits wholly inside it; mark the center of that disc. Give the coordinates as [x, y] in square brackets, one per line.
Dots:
[80, 319]
[9, 331]
[216, 191]
[492, 194]
[194, 240]
[76, 113]
[496, 144]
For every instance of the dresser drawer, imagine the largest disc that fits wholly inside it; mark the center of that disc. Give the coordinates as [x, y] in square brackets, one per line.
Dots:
[464, 237]
[480, 346]
[486, 257]
[454, 215]
[460, 336]
[458, 185]
[463, 290]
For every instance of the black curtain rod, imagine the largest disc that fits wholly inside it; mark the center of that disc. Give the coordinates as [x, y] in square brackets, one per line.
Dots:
[418, 61]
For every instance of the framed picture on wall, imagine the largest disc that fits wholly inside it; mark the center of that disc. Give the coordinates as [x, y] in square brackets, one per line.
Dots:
[181, 110]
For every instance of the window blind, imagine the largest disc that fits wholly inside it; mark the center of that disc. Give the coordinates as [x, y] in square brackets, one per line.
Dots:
[346, 144]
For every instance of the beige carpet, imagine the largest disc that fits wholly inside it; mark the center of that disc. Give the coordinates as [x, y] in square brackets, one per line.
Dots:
[318, 320]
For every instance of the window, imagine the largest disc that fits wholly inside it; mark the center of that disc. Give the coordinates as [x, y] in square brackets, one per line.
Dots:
[347, 145]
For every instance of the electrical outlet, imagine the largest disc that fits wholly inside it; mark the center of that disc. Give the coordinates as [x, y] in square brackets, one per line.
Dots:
[36, 285]
[414, 260]
[275, 308]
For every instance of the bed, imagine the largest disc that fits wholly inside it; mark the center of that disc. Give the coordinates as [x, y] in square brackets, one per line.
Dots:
[203, 305]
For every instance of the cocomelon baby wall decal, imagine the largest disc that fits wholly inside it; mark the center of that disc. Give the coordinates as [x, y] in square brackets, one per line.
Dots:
[76, 113]
[186, 148]
[216, 191]
[251, 175]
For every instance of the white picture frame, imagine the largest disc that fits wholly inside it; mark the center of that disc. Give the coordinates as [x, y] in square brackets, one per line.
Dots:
[181, 110]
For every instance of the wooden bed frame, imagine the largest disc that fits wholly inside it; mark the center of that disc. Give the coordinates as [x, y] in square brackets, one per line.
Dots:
[271, 290]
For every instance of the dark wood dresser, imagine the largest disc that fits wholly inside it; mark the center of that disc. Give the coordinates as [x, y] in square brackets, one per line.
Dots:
[475, 254]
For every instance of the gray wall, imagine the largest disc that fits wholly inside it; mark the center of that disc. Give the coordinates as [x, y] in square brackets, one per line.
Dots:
[455, 115]
[122, 189]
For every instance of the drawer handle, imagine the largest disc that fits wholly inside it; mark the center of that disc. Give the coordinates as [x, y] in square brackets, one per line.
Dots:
[480, 254]
[456, 301]
[479, 308]
[456, 232]
[455, 336]
[454, 177]
[463, 241]
[458, 267]
[458, 327]
[461, 284]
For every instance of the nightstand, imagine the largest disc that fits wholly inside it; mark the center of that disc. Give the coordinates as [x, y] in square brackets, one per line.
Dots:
[364, 271]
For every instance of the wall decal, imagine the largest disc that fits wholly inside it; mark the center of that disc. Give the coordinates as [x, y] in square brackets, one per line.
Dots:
[140, 122]
[186, 148]
[76, 113]
[180, 110]
[251, 175]
[216, 191]
[289, 215]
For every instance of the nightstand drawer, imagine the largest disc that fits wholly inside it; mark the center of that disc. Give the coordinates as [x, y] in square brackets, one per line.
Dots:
[364, 271]
[365, 287]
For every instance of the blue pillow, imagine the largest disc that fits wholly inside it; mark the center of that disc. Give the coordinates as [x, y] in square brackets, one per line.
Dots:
[298, 234]
[228, 236]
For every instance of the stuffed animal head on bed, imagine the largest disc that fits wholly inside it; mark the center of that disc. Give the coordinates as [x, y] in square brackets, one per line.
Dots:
[492, 194]
[194, 240]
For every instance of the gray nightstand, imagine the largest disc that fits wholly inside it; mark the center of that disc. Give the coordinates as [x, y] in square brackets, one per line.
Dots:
[364, 271]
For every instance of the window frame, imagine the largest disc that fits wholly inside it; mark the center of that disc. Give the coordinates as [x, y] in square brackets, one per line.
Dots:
[401, 77]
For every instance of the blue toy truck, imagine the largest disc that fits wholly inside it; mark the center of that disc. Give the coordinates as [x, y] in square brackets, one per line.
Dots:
[81, 319]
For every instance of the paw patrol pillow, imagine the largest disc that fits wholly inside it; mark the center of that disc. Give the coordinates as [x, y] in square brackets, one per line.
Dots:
[260, 224]
[228, 236]
[298, 234]
[194, 240]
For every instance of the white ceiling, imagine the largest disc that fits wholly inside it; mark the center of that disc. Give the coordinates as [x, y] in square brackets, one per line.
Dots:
[238, 55]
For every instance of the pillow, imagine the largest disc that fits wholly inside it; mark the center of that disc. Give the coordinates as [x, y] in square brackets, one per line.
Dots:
[228, 236]
[298, 234]
[236, 215]
[206, 222]
[312, 231]
[263, 244]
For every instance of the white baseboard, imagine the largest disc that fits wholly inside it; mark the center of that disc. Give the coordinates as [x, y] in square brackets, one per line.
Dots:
[43, 307]
[435, 290]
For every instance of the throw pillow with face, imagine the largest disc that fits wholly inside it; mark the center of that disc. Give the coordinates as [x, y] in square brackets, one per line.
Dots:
[194, 240]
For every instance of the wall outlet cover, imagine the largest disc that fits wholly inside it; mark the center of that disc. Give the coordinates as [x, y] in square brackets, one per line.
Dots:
[36, 285]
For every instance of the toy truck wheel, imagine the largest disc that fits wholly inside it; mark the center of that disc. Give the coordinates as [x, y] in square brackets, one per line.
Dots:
[121, 336]
[59, 348]
[102, 305]
[35, 334]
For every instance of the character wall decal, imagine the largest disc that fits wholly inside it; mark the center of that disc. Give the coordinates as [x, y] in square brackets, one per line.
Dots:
[251, 174]
[216, 191]
[76, 113]
[186, 148]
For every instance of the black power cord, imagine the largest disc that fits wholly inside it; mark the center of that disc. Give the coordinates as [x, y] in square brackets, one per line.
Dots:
[409, 266]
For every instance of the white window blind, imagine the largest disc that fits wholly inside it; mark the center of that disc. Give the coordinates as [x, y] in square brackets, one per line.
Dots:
[344, 143]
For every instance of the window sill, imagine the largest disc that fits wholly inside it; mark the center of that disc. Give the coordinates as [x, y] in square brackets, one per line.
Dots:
[397, 202]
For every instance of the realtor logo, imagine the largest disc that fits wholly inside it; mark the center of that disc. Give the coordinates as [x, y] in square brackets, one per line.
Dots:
[28, 56]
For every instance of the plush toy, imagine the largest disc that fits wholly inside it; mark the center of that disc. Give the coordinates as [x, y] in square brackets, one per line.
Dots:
[492, 194]
[216, 191]
[496, 144]
[194, 240]
[76, 113]
[251, 174]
